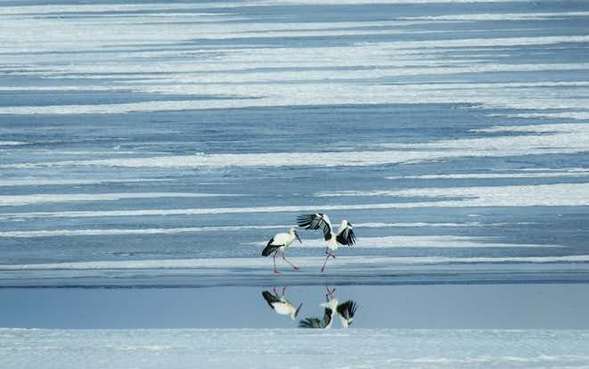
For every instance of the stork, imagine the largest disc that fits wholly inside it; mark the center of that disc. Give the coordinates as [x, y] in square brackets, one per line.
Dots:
[278, 244]
[345, 311]
[280, 304]
[344, 236]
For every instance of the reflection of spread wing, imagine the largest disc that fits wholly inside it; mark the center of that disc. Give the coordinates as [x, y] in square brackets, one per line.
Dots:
[346, 235]
[327, 317]
[346, 311]
[316, 322]
[270, 298]
[316, 221]
[310, 323]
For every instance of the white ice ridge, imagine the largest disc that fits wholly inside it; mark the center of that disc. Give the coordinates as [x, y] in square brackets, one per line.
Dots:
[576, 115]
[262, 263]
[144, 231]
[37, 10]
[163, 6]
[497, 16]
[245, 76]
[420, 242]
[12, 143]
[33, 181]
[287, 90]
[228, 228]
[19, 200]
[546, 173]
[114, 41]
[538, 139]
[530, 139]
[215, 25]
[562, 194]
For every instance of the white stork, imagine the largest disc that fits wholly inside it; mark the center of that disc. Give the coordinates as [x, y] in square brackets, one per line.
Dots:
[345, 312]
[278, 244]
[280, 304]
[344, 236]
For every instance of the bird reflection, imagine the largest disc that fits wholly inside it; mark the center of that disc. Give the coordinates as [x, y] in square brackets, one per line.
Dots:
[279, 303]
[318, 323]
[345, 311]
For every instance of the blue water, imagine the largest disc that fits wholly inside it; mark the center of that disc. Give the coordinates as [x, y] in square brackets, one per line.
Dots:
[475, 306]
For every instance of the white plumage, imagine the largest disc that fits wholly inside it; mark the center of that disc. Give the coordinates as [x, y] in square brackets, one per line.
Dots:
[278, 244]
[280, 304]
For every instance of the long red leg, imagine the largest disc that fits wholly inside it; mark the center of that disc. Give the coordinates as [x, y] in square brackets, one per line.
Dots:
[330, 292]
[291, 264]
[274, 258]
[325, 262]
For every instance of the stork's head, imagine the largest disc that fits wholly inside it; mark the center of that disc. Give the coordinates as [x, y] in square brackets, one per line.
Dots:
[293, 231]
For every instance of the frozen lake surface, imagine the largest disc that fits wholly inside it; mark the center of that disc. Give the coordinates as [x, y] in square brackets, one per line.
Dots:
[146, 139]
[264, 348]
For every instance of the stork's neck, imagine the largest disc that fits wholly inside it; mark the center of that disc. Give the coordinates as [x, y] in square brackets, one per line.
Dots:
[331, 304]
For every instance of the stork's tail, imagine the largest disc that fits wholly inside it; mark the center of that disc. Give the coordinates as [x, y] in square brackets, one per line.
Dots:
[269, 249]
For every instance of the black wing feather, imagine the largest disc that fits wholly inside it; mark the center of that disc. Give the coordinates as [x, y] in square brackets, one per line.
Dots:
[347, 309]
[315, 221]
[346, 236]
[316, 322]
[270, 248]
[327, 316]
[310, 323]
[270, 298]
